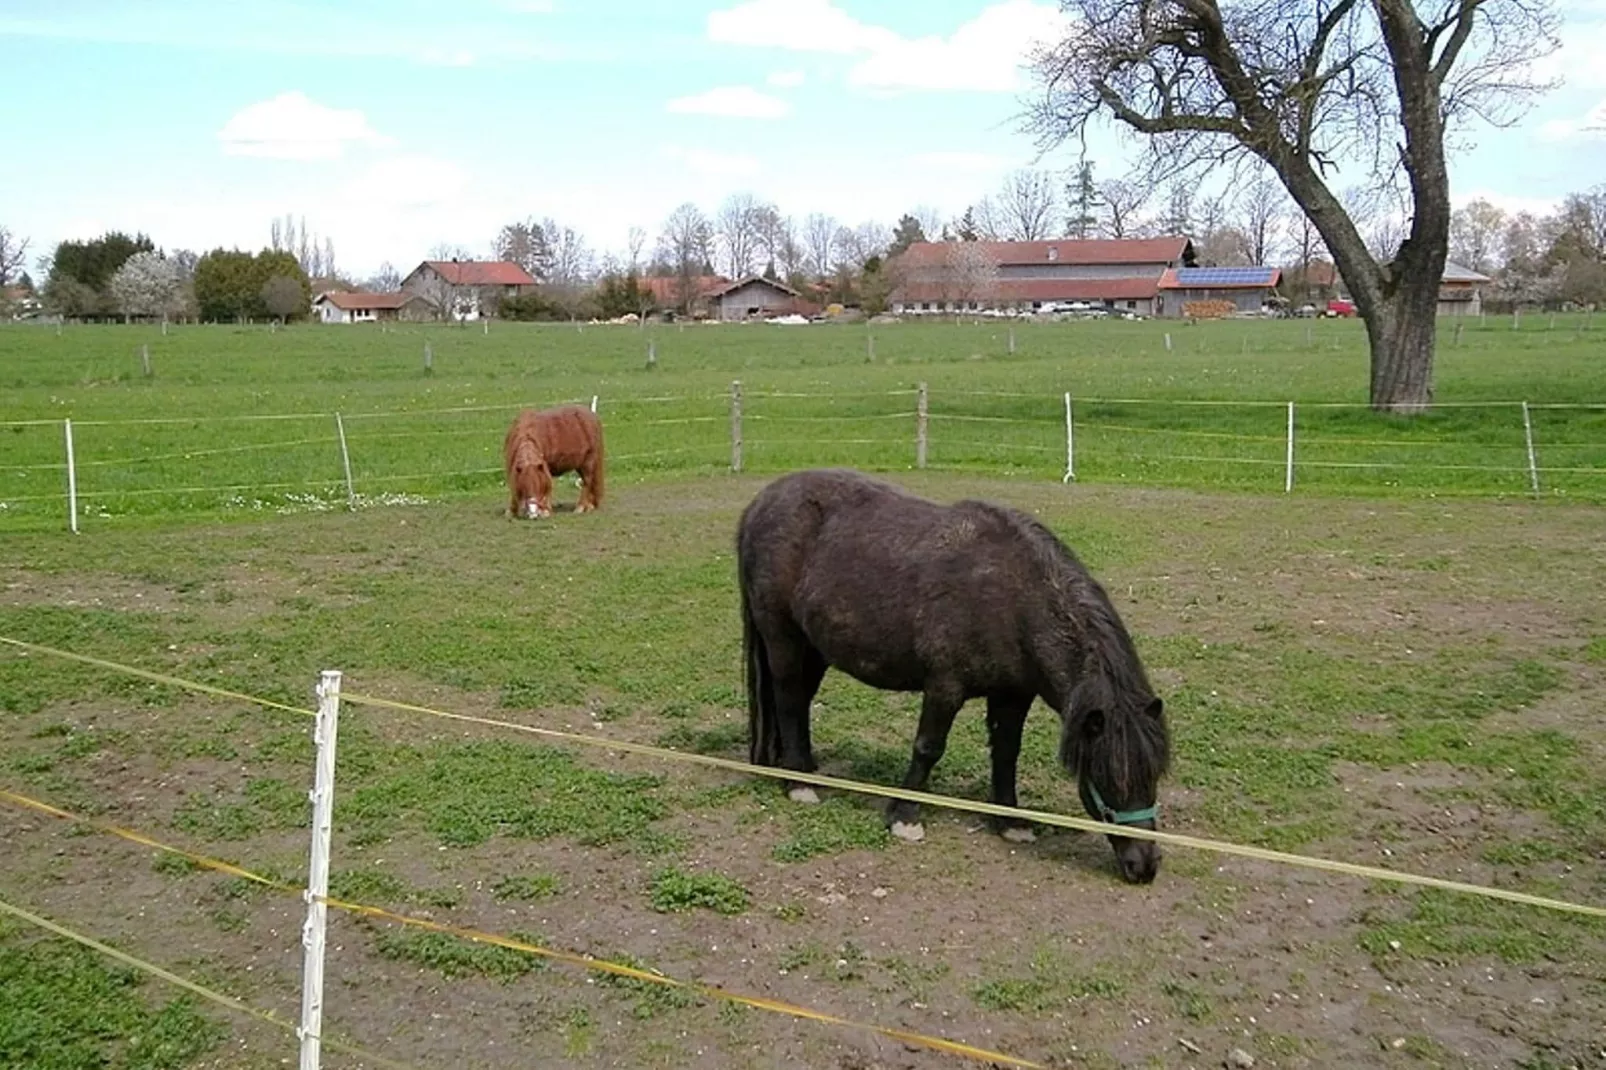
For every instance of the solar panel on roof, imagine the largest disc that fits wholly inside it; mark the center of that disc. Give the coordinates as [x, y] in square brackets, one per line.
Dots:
[1225, 276]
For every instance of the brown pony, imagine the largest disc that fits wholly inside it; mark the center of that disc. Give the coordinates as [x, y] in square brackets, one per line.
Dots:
[548, 443]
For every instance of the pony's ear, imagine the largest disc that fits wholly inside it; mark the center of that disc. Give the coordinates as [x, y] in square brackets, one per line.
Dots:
[1155, 708]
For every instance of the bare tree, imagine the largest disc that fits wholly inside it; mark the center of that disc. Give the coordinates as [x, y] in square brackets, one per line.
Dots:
[930, 220]
[686, 245]
[571, 260]
[986, 221]
[972, 273]
[283, 297]
[386, 280]
[1261, 218]
[1475, 234]
[13, 254]
[819, 241]
[1028, 206]
[1302, 84]
[635, 242]
[1123, 201]
[738, 227]
[449, 251]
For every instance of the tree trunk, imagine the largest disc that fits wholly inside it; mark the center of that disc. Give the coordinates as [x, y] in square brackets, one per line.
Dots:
[1402, 331]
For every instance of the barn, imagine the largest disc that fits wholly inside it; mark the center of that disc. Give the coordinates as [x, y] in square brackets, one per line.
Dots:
[337, 306]
[1461, 290]
[1247, 288]
[756, 297]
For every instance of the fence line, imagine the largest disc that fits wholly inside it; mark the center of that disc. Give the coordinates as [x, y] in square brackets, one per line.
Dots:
[1082, 824]
[226, 1001]
[585, 962]
[891, 451]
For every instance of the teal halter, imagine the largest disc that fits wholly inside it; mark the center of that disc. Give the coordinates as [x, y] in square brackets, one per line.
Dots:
[1121, 817]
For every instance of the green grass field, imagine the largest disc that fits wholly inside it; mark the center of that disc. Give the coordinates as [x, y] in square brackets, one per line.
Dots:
[1408, 676]
[242, 419]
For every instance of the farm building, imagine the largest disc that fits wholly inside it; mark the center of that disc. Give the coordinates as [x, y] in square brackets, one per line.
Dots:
[337, 306]
[756, 297]
[470, 289]
[1117, 273]
[1461, 290]
[668, 291]
[1248, 288]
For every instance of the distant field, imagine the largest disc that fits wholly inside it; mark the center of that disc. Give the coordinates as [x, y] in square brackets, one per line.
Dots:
[821, 394]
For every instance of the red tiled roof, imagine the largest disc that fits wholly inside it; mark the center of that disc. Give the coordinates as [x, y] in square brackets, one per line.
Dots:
[665, 289]
[352, 302]
[1065, 251]
[1027, 290]
[482, 272]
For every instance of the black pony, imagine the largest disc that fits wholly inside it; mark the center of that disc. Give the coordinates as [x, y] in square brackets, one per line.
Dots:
[959, 601]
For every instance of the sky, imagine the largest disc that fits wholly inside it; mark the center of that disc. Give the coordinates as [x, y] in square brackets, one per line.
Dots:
[394, 126]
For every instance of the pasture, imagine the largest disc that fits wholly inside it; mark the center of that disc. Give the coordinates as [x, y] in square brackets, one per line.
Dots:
[1401, 667]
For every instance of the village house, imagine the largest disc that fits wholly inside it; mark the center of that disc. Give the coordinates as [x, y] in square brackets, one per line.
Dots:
[1120, 274]
[467, 289]
[337, 306]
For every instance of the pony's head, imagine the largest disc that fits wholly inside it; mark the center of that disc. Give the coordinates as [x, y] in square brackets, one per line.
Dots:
[1117, 747]
[532, 480]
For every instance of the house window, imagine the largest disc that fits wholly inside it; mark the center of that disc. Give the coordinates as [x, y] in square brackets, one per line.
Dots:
[1131, 304]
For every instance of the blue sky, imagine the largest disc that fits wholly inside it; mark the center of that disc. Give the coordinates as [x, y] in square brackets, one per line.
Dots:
[394, 126]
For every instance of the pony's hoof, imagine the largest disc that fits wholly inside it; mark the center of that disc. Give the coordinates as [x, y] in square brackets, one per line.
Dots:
[803, 795]
[1019, 834]
[909, 833]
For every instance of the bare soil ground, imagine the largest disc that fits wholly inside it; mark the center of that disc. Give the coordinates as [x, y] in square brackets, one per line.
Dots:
[1410, 684]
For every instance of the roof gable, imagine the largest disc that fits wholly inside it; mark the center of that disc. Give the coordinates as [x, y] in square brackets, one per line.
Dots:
[481, 272]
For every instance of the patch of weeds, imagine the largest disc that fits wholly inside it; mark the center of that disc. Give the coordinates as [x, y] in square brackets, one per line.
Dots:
[797, 956]
[172, 865]
[375, 886]
[269, 804]
[1530, 852]
[1595, 649]
[1446, 926]
[577, 1031]
[455, 956]
[1048, 984]
[1190, 1003]
[915, 979]
[721, 739]
[527, 888]
[651, 843]
[1282, 1045]
[832, 826]
[850, 963]
[675, 891]
[791, 912]
[467, 794]
[648, 999]
[66, 1008]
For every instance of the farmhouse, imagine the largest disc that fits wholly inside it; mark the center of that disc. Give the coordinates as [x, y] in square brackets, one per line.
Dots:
[1461, 290]
[756, 297]
[1248, 288]
[967, 276]
[336, 306]
[467, 289]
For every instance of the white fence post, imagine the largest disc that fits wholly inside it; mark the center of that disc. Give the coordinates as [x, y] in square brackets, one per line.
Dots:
[429, 357]
[145, 355]
[1070, 442]
[1533, 462]
[921, 416]
[72, 478]
[1288, 477]
[1012, 340]
[345, 462]
[593, 403]
[312, 934]
[736, 425]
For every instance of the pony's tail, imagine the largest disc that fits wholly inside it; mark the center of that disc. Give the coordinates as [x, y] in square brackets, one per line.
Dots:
[763, 734]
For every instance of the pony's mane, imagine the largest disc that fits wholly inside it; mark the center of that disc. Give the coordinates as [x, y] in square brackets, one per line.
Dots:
[1134, 747]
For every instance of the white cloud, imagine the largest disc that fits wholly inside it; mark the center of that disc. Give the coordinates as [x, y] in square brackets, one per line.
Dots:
[1577, 61]
[785, 79]
[983, 55]
[1592, 125]
[290, 126]
[712, 164]
[734, 101]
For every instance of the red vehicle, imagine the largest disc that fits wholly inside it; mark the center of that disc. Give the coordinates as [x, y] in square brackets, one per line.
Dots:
[1340, 307]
